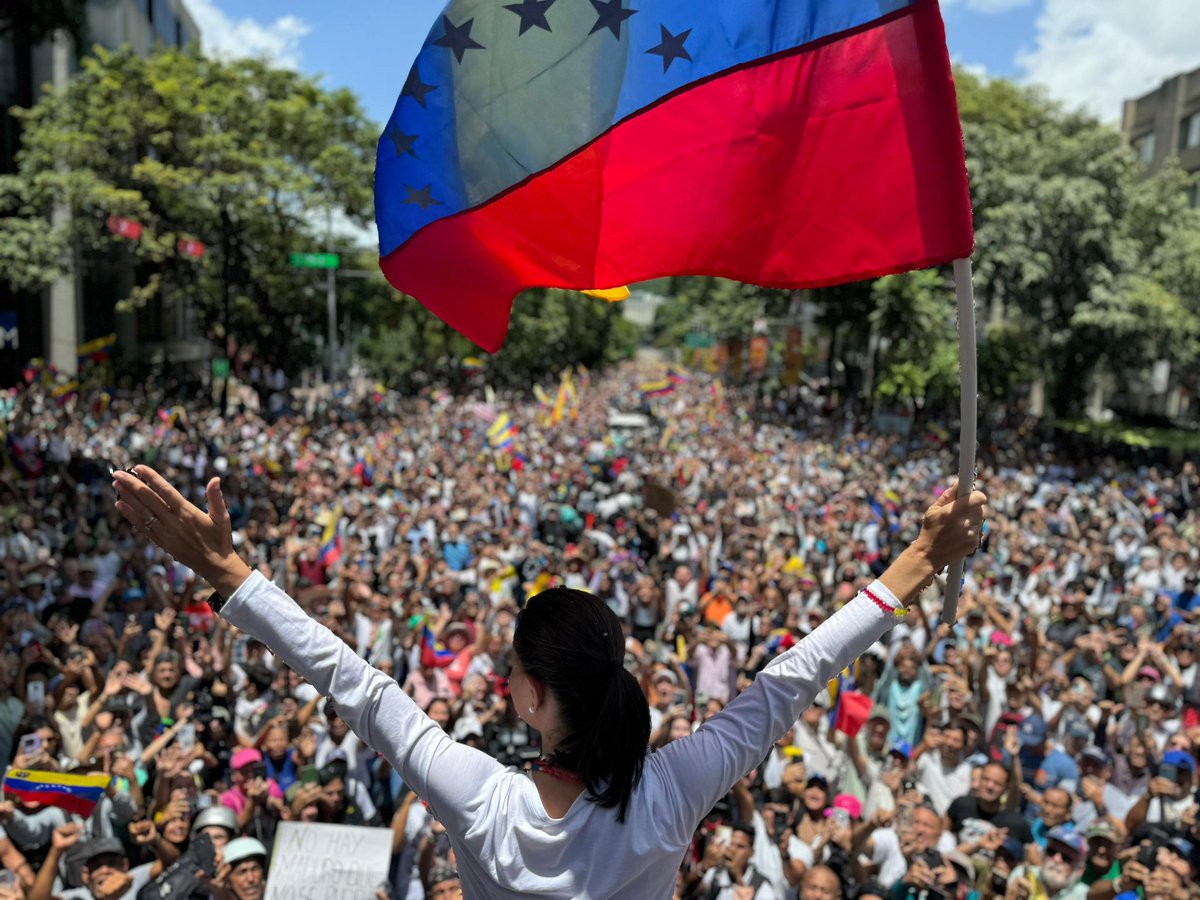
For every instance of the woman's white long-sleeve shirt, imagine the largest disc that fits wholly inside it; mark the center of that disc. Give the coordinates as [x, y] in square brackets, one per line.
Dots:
[506, 845]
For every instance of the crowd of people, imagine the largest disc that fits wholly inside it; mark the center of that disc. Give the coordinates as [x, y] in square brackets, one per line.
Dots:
[1043, 748]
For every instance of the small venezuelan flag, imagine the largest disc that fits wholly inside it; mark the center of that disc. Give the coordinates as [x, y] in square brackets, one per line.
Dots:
[501, 432]
[76, 794]
[331, 540]
[433, 651]
[660, 388]
[676, 375]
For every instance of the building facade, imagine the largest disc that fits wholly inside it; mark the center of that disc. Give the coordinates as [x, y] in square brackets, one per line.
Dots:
[52, 323]
[1165, 124]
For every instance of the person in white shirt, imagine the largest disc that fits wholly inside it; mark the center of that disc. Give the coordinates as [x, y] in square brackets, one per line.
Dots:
[534, 834]
[943, 774]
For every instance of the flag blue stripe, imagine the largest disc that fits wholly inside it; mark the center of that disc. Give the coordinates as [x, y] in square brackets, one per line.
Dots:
[469, 149]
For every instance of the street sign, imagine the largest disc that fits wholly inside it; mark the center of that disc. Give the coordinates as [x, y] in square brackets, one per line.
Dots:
[314, 260]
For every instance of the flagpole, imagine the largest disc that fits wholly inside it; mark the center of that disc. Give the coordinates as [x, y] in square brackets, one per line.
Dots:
[969, 414]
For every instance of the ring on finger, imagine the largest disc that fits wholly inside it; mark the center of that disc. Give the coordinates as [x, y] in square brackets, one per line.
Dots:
[150, 523]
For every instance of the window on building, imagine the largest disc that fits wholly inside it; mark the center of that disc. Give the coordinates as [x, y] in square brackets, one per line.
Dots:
[1144, 147]
[164, 20]
[1193, 195]
[1189, 132]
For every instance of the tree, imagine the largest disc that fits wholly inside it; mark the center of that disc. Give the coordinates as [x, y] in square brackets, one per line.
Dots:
[242, 156]
[550, 330]
[1066, 219]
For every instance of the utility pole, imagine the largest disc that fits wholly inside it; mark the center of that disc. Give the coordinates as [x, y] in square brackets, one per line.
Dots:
[331, 305]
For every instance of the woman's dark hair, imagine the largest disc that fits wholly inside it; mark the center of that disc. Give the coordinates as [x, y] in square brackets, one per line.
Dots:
[572, 643]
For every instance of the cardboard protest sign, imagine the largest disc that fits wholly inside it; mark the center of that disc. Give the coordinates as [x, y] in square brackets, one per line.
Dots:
[312, 861]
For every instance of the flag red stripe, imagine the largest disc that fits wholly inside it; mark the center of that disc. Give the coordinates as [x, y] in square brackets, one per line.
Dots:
[80, 806]
[861, 174]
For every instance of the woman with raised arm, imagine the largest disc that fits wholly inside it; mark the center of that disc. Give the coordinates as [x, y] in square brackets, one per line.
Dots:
[598, 816]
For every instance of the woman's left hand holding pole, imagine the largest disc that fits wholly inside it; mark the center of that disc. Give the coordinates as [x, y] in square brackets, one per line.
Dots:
[202, 541]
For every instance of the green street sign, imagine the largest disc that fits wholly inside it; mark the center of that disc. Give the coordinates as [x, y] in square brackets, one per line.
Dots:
[314, 260]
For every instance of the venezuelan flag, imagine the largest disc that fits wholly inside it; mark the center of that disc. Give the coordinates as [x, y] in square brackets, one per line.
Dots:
[433, 652]
[331, 541]
[660, 388]
[501, 432]
[676, 375]
[76, 794]
[566, 395]
[97, 351]
[473, 364]
[574, 144]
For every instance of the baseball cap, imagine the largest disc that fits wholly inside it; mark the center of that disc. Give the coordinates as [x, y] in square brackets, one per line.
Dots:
[1149, 672]
[1079, 729]
[442, 872]
[466, 727]
[1013, 848]
[879, 713]
[244, 757]
[1033, 731]
[667, 675]
[849, 803]
[1102, 831]
[962, 862]
[1095, 754]
[105, 846]
[1069, 838]
[1180, 760]
[969, 718]
[901, 748]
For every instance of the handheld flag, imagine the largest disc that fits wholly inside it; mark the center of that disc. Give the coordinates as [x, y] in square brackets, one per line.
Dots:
[77, 794]
[433, 652]
[660, 388]
[331, 540]
[97, 351]
[501, 432]
[789, 143]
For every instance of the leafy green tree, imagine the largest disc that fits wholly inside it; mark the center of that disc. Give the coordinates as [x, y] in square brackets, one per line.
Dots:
[242, 156]
[550, 330]
[1066, 221]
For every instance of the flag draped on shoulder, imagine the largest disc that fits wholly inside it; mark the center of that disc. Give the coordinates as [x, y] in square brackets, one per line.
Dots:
[788, 143]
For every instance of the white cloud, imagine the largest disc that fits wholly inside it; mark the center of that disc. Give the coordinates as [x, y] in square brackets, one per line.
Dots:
[1099, 53]
[227, 38]
[988, 7]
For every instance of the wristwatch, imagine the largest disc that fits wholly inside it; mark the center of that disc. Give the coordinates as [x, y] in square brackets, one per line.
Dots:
[216, 602]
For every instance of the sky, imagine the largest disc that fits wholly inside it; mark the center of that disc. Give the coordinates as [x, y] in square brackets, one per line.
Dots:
[1088, 53]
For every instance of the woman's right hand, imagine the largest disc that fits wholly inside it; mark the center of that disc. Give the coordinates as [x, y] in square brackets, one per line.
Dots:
[952, 528]
[202, 541]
